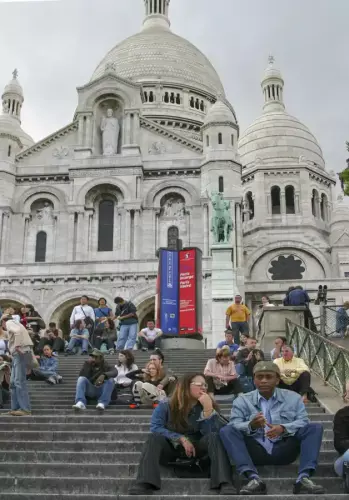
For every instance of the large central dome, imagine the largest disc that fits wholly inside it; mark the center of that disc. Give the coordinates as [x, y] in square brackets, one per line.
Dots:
[156, 53]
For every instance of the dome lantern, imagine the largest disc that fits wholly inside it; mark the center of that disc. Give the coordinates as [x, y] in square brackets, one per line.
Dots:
[12, 98]
[273, 88]
[156, 14]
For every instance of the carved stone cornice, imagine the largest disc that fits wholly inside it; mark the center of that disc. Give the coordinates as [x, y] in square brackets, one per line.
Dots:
[12, 138]
[226, 123]
[47, 179]
[48, 141]
[174, 136]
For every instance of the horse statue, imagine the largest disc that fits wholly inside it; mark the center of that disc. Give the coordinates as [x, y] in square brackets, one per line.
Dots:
[221, 222]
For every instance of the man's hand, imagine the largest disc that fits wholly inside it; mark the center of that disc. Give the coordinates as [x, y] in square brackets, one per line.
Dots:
[249, 357]
[100, 380]
[274, 431]
[258, 422]
[188, 447]
[160, 387]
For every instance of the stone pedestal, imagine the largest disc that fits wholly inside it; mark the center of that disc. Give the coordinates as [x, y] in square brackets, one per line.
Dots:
[182, 343]
[274, 324]
[224, 287]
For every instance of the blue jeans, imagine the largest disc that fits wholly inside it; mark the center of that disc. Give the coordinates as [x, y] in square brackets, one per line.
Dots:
[127, 336]
[245, 452]
[76, 342]
[338, 465]
[237, 328]
[42, 374]
[18, 384]
[84, 389]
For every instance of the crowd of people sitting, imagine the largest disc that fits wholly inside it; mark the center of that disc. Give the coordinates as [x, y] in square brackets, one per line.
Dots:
[269, 424]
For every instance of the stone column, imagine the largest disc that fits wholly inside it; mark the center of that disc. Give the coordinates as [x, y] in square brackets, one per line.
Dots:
[127, 129]
[71, 236]
[4, 236]
[282, 203]
[206, 230]
[136, 127]
[80, 240]
[137, 240]
[127, 234]
[239, 244]
[88, 131]
[27, 219]
[81, 131]
[296, 203]
[269, 204]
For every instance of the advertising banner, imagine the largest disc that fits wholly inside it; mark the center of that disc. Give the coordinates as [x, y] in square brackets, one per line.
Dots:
[169, 292]
[187, 292]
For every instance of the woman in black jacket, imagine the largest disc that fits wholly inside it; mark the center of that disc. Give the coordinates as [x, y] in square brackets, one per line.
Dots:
[341, 441]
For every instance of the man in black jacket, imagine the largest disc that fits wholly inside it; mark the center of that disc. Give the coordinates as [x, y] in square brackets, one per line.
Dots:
[96, 381]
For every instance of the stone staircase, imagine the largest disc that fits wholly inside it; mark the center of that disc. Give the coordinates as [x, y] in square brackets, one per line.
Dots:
[59, 455]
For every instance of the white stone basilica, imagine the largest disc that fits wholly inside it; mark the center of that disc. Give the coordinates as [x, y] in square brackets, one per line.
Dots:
[85, 209]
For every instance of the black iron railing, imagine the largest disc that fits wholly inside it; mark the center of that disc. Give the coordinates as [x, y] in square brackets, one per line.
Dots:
[325, 358]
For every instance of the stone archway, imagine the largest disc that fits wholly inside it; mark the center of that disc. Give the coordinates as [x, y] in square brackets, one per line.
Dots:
[61, 315]
[146, 312]
[5, 303]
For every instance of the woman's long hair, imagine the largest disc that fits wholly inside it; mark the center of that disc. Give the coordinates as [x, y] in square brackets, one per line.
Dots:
[160, 374]
[130, 359]
[181, 403]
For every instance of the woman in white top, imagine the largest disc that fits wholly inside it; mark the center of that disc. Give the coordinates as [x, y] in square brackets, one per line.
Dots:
[126, 364]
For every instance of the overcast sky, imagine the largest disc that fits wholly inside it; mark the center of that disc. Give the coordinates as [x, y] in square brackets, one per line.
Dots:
[57, 45]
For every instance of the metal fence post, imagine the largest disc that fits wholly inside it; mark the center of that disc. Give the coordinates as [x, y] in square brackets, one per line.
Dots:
[323, 320]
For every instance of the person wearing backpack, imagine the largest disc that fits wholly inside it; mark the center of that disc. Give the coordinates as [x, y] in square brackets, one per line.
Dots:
[85, 312]
[126, 313]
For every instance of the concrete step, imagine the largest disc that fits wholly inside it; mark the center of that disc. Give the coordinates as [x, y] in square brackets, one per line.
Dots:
[160, 496]
[86, 443]
[129, 470]
[119, 486]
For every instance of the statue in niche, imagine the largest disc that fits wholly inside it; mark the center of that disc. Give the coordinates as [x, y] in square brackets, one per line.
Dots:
[221, 223]
[45, 214]
[110, 133]
[174, 207]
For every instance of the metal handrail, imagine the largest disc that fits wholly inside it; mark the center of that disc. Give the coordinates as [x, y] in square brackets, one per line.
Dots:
[325, 358]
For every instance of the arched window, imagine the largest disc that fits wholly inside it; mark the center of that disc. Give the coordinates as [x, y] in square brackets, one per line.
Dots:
[106, 226]
[207, 140]
[275, 200]
[314, 202]
[220, 138]
[232, 139]
[172, 237]
[172, 98]
[40, 248]
[250, 205]
[197, 104]
[9, 151]
[289, 196]
[151, 96]
[323, 207]
[220, 184]
[178, 99]
[166, 97]
[192, 102]
[202, 106]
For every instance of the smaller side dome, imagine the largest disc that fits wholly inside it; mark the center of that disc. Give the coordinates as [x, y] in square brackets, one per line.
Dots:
[14, 87]
[340, 211]
[219, 113]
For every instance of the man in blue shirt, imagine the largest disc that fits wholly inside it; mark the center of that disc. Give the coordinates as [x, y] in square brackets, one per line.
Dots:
[298, 297]
[270, 426]
[229, 341]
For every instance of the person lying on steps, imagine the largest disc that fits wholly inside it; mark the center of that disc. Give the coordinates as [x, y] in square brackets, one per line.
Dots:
[295, 375]
[96, 381]
[185, 426]
[270, 426]
[48, 368]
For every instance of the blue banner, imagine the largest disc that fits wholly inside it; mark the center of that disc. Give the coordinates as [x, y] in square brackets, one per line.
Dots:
[169, 292]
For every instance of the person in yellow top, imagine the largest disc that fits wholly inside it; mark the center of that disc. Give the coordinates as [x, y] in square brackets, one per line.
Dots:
[295, 374]
[236, 317]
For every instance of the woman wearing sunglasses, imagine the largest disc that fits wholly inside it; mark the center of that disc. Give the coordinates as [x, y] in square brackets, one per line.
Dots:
[186, 425]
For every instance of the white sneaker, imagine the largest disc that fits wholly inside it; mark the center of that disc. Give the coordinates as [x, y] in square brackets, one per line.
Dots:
[100, 406]
[79, 406]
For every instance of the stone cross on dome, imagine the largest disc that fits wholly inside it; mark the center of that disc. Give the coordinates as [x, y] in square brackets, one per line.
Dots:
[15, 74]
[271, 60]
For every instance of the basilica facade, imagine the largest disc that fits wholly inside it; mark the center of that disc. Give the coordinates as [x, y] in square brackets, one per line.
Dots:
[84, 210]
